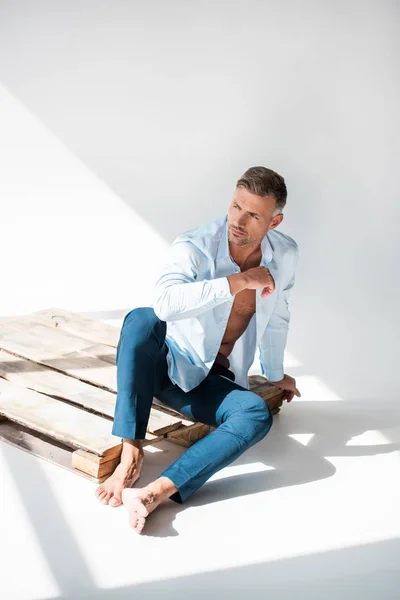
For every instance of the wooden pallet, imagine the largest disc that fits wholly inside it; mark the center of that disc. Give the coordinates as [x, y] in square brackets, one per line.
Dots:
[58, 392]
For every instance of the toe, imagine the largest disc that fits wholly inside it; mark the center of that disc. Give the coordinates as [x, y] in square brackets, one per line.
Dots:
[140, 524]
[106, 498]
[100, 490]
[133, 520]
[142, 510]
[115, 501]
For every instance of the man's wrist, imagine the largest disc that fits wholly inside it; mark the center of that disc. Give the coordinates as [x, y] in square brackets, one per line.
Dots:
[237, 282]
[275, 381]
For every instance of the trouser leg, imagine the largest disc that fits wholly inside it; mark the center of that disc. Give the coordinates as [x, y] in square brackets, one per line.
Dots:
[242, 419]
[141, 371]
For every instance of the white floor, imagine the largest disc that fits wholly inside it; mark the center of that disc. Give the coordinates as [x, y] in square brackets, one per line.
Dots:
[310, 512]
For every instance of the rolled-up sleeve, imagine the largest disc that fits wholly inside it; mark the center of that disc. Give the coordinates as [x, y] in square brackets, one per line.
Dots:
[181, 291]
[273, 342]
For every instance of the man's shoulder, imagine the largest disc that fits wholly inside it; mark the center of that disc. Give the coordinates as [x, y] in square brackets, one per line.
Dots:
[204, 236]
[282, 242]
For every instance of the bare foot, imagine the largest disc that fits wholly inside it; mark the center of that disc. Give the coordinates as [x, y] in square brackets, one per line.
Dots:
[125, 475]
[141, 502]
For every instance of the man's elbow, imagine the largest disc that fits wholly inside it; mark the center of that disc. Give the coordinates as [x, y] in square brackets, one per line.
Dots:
[160, 311]
[162, 307]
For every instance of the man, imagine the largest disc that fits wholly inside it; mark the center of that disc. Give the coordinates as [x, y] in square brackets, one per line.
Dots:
[222, 292]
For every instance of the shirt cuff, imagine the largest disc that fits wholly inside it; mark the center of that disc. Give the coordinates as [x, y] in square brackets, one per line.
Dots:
[222, 288]
[273, 376]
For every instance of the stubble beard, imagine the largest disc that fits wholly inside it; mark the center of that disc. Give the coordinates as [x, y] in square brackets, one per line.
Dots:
[239, 240]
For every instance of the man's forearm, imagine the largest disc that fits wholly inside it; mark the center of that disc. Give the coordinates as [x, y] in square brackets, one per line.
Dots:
[185, 300]
[191, 299]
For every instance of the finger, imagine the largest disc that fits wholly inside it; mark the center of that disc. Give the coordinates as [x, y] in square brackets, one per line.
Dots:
[290, 396]
[266, 292]
[297, 392]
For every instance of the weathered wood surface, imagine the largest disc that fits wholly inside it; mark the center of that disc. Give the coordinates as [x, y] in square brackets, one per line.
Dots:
[272, 395]
[86, 462]
[43, 447]
[71, 322]
[41, 343]
[34, 337]
[59, 385]
[75, 427]
[259, 383]
[72, 359]
[187, 436]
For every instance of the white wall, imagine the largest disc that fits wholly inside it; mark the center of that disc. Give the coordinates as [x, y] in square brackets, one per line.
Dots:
[124, 123]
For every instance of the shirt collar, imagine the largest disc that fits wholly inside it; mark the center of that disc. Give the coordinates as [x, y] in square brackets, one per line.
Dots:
[223, 246]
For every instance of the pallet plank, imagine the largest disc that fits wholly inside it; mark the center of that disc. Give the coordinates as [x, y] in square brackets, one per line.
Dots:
[187, 436]
[41, 446]
[92, 330]
[60, 350]
[72, 358]
[48, 381]
[72, 426]
[43, 344]
[85, 465]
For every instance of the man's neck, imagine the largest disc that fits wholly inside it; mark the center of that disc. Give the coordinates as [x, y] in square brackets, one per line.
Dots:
[247, 255]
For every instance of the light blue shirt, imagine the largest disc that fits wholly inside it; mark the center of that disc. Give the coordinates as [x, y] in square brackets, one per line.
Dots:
[192, 294]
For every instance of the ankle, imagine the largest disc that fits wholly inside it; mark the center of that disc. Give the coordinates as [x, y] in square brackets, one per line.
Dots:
[132, 445]
[131, 453]
[161, 489]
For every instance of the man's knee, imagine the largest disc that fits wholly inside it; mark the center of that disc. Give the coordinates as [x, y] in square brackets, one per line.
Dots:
[141, 321]
[257, 416]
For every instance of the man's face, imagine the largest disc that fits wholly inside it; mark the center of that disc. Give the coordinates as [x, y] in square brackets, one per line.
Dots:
[251, 215]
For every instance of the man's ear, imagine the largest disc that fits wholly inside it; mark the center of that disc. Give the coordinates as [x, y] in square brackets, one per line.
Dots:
[276, 221]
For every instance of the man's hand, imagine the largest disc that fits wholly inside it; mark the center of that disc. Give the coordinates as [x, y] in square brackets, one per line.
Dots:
[259, 277]
[289, 385]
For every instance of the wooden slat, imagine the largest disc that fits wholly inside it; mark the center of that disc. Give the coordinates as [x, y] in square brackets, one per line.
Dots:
[259, 382]
[41, 446]
[187, 436]
[93, 363]
[72, 426]
[272, 395]
[68, 424]
[71, 322]
[48, 381]
[97, 466]
[29, 338]
[32, 338]
[84, 464]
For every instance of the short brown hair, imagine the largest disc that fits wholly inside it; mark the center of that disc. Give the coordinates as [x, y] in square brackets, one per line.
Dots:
[265, 182]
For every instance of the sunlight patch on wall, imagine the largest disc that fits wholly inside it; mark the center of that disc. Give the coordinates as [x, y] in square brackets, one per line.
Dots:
[291, 361]
[71, 241]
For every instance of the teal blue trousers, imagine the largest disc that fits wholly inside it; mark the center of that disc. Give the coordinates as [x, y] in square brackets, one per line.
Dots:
[240, 416]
